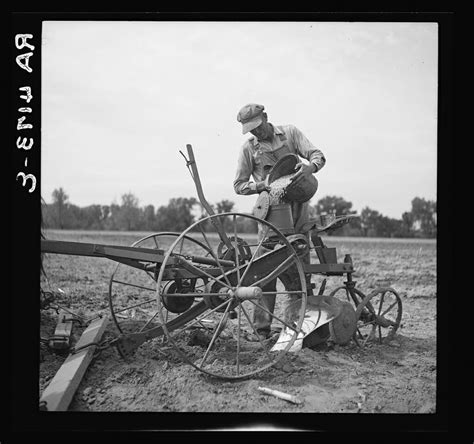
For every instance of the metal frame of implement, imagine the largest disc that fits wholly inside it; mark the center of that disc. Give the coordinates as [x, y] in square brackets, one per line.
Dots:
[262, 269]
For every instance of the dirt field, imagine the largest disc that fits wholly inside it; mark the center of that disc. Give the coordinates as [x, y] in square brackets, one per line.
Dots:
[397, 377]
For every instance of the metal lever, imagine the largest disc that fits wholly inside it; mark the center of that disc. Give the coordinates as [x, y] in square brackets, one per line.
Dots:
[195, 175]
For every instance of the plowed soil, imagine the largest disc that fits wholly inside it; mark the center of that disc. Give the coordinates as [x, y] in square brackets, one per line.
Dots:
[394, 377]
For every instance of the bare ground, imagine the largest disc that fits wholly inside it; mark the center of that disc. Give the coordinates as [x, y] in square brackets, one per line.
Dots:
[397, 377]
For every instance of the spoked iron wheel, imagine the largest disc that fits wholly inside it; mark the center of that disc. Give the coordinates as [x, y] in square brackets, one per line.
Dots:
[378, 316]
[222, 341]
[132, 291]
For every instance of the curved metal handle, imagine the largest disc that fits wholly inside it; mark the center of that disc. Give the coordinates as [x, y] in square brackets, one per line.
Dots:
[191, 162]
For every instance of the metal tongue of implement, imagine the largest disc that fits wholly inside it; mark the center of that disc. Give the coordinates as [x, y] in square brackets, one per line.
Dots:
[318, 313]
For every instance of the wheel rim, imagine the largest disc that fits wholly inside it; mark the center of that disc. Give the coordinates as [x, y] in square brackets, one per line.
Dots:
[379, 316]
[221, 347]
[354, 296]
[132, 292]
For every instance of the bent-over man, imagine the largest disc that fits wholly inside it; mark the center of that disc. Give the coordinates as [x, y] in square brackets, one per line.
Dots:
[256, 158]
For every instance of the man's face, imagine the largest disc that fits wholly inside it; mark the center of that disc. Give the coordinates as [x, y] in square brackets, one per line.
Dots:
[263, 132]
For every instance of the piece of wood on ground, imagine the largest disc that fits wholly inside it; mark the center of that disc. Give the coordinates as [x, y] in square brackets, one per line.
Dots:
[59, 393]
[281, 395]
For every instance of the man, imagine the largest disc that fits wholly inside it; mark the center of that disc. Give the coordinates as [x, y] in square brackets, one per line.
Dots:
[256, 158]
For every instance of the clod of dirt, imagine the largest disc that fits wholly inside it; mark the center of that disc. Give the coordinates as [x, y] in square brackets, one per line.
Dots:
[87, 391]
[198, 338]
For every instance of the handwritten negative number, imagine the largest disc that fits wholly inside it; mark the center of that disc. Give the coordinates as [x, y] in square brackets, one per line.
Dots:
[25, 179]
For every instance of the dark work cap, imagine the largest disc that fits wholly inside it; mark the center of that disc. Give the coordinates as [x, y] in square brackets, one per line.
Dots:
[250, 116]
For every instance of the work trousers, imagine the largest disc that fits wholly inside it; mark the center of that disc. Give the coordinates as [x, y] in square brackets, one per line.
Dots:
[290, 279]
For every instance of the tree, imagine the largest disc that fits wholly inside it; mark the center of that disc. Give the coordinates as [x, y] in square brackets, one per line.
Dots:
[369, 220]
[246, 225]
[334, 204]
[177, 215]
[111, 220]
[60, 206]
[129, 214]
[387, 227]
[92, 217]
[104, 214]
[407, 224]
[149, 219]
[75, 217]
[423, 213]
[224, 206]
[338, 206]
[181, 212]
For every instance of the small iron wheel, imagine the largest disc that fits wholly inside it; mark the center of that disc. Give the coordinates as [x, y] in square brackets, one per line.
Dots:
[378, 316]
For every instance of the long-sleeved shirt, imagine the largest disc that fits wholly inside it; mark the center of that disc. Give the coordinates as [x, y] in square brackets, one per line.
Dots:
[256, 158]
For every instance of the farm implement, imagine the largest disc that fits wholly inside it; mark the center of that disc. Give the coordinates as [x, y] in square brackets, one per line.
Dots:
[194, 292]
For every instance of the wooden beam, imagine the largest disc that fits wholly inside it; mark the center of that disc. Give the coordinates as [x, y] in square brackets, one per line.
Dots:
[59, 393]
[106, 251]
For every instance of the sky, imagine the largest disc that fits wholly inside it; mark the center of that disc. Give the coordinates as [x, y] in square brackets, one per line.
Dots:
[120, 99]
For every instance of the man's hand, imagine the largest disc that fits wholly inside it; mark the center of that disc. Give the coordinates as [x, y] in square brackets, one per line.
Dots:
[303, 171]
[263, 185]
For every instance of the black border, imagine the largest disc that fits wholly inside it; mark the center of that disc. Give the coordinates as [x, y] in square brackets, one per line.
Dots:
[23, 301]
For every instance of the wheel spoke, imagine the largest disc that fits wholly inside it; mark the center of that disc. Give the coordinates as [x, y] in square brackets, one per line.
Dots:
[190, 267]
[135, 306]
[216, 334]
[353, 296]
[197, 319]
[134, 285]
[236, 251]
[255, 253]
[381, 302]
[205, 327]
[389, 308]
[188, 295]
[276, 272]
[239, 315]
[348, 295]
[149, 321]
[214, 256]
[256, 333]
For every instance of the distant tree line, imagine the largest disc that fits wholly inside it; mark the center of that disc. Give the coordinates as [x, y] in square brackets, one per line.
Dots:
[181, 212]
[420, 221]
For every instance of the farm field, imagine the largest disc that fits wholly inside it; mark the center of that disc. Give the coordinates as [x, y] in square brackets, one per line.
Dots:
[396, 377]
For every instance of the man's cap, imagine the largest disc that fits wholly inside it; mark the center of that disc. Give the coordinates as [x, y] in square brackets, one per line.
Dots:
[250, 116]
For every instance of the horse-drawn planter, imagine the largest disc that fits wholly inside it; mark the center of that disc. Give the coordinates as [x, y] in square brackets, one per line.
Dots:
[196, 291]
